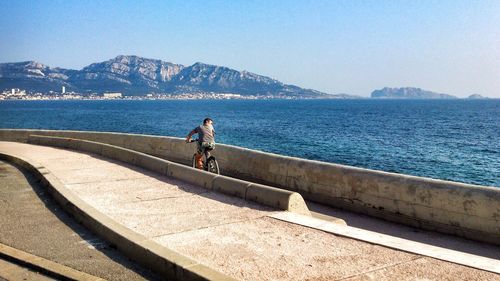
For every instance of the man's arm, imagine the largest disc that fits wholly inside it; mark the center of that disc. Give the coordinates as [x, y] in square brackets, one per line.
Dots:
[188, 138]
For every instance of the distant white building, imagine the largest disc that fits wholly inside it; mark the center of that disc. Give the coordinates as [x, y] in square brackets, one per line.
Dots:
[112, 95]
[63, 90]
[17, 92]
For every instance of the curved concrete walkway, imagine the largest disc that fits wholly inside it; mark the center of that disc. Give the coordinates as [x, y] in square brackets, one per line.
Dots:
[235, 237]
[38, 230]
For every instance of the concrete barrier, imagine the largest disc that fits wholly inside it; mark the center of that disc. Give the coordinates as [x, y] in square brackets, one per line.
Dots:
[265, 195]
[466, 210]
[191, 175]
[276, 197]
[231, 186]
[151, 163]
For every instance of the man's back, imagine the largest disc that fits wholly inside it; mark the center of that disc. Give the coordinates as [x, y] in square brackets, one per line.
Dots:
[205, 133]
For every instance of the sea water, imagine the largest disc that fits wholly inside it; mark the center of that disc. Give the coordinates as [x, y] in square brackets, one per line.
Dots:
[456, 140]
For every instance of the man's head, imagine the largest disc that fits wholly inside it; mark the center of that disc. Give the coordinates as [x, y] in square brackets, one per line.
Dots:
[207, 121]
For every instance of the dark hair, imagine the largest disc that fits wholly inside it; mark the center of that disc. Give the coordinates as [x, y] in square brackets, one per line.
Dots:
[206, 120]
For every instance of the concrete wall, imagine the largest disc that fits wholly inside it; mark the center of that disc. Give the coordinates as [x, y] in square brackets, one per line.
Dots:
[465, 210]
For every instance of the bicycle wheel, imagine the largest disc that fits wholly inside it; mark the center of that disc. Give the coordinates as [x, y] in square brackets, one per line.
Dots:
[212, 165]
[193, 161]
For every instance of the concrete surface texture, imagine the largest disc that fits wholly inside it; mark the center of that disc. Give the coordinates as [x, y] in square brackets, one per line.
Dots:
[424, 237]
[40, 266]
[465, 210]
[236, 237]
[13, 271]
[32, 222]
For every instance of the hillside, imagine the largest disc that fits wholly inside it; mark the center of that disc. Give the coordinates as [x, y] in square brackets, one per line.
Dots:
[133, 75]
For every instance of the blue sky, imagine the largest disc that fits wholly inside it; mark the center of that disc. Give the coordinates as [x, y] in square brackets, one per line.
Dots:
[349, 47]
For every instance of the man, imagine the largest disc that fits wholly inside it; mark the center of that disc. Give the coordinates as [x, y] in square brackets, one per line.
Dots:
[206, 140]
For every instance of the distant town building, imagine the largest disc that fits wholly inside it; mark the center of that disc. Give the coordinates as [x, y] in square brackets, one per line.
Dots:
[112, 95]
[17, 92]
[63, 91]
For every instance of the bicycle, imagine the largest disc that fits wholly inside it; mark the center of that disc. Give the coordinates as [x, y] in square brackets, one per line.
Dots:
[209, 162]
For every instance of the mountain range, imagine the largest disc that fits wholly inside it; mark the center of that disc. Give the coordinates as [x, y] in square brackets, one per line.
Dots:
[138, 76]
[133, 75]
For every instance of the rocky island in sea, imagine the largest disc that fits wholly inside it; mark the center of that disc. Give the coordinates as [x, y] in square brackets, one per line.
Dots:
[408, 93]
[476, 97]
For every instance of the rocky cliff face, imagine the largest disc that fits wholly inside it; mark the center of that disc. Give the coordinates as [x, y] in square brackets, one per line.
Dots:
[133, 75]
[33, 76]
[408, 93]
[204, 77]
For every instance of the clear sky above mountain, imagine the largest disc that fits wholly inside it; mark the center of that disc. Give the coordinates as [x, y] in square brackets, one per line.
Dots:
[349, 47]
